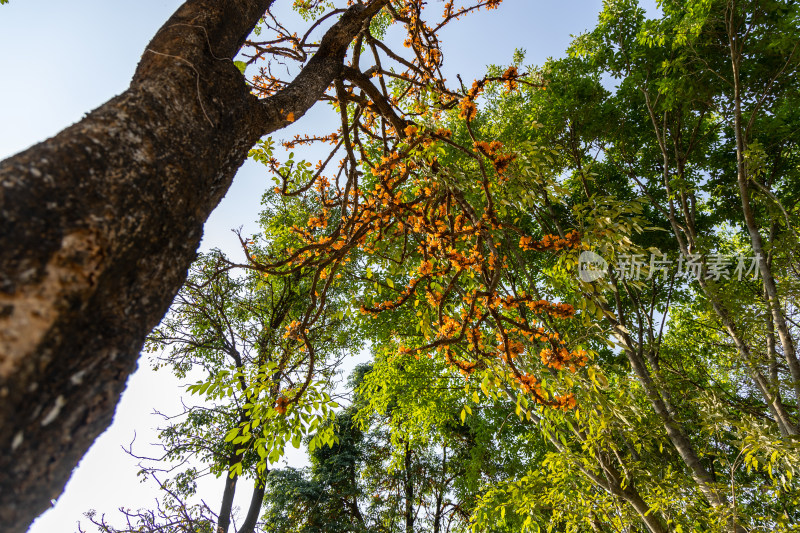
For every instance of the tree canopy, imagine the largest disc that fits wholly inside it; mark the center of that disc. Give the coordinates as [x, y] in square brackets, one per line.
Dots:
[575, 282]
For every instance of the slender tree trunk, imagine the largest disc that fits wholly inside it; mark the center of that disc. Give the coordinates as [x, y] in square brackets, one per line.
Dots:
[225, 508]
[685, 237]
[772, 299]
[611, 481]
[677, 436]
[440, 493]
[408, 489]
[658, 397]
[254, 510]
[101, 222]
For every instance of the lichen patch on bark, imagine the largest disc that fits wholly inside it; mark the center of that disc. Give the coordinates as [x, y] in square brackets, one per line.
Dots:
[29, 313]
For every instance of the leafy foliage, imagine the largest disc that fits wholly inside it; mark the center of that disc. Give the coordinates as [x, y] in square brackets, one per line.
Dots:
[506, 392]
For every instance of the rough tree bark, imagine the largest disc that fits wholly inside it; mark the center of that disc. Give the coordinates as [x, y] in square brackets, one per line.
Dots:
[101, 222]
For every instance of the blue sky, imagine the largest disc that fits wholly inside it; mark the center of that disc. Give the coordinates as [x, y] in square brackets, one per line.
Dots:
[61, 59]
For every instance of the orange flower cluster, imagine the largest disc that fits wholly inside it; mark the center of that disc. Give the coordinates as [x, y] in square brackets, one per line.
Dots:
[571, 240]
[449, 327]
[510, 349]
[559, 358]
[510, 78]
[320, 221]
[468, 109]
[448, 9]
[557, 310]
[530, 384]
[292, 330]
[491, 150]
[565, 402]
[281, 404]
[474, 339]
[476, 89]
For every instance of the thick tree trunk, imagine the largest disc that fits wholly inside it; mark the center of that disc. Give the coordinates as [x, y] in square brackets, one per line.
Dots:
[100, 223]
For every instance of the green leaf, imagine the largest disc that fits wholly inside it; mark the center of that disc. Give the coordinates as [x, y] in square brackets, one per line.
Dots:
[231, 434]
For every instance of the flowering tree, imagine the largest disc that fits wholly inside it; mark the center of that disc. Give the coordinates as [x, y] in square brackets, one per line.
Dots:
[102, 221]
[415, 242]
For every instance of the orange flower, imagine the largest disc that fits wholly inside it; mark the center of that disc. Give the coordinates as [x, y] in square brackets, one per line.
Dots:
[281, 404]
[510, 78]
[551, 242]
[468, 109]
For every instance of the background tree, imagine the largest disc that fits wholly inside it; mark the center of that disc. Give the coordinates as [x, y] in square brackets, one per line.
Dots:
[713, 336]
[259, 388]
[376, 477]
